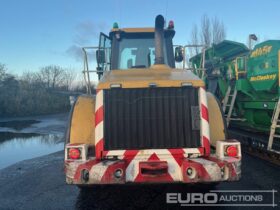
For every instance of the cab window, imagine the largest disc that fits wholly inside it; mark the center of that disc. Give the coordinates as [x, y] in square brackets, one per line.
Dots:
[137, 53]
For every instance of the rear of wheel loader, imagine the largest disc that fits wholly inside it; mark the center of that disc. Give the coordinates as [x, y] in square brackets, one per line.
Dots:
[148, 122]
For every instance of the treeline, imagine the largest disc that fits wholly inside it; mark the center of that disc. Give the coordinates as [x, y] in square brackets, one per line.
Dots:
[35, 93]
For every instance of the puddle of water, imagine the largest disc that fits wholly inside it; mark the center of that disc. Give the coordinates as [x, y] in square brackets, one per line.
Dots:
[18, 124]
[15, 149]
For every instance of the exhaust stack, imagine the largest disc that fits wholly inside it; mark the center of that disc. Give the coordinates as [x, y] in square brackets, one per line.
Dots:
[159, 39]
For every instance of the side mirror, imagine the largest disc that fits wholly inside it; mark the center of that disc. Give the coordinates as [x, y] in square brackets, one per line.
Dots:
[100, 56]
[179, 54]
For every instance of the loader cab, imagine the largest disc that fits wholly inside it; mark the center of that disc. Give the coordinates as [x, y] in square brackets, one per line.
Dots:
[132, 49]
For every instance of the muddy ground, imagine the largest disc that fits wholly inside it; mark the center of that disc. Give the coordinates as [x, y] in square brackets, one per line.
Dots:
[39, 184]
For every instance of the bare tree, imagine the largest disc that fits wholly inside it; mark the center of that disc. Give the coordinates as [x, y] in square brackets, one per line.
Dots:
[206, 34]
[194, 37]
[218, 31]
[211, 31]
[57, 76]
[2, 71]
[32, 80]
[52, 76]
[29, 94]
[69, 78]
[44, 76]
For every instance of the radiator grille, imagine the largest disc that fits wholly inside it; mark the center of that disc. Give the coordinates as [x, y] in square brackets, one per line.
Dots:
[151, 118]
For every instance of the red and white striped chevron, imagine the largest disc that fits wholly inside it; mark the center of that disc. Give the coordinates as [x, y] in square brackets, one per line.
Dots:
[99, 133]
[207, 169]
[132, 162]
[204, 122]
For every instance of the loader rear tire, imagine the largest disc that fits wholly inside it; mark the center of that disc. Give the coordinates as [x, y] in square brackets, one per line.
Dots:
[217, 122]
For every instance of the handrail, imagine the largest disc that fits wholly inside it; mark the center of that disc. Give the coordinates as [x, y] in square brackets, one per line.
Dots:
[200, 71]
[237, 72]
[86, 72]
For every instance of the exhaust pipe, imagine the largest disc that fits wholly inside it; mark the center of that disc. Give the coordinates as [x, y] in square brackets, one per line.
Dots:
[159, 39]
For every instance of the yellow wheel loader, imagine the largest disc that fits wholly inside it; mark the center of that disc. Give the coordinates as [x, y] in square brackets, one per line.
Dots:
[146, 122]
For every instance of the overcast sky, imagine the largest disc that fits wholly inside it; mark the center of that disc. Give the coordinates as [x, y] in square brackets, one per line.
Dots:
[35, 33]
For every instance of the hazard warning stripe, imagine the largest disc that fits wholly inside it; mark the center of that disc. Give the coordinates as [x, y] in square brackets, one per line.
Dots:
[99, 115]
[204, 112]
[99, 132]
[204, 123]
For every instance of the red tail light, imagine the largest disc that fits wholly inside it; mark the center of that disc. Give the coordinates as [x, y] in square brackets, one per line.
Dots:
[171, 25]
[231, 151]
[74, 153]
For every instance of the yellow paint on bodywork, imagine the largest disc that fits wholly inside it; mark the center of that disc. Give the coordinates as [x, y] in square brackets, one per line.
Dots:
[261, 51]
[263, 77]
[83, 121]
[135, 30]
[161, 75]
[216, 121]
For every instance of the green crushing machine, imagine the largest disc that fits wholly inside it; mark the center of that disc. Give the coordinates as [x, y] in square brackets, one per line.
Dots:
[247, 84]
